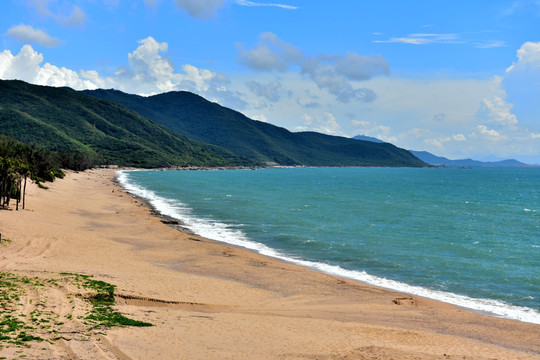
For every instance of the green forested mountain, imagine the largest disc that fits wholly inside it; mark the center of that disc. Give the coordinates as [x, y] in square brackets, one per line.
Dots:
[99, 131]
[201, 120]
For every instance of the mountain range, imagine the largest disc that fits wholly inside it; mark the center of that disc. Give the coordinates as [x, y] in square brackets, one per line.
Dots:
[435, 160]
[199, 119]
[442, 161]
[62, 120]
[171, 129]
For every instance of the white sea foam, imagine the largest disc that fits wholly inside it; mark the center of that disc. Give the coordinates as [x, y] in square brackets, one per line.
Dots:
[219, 231]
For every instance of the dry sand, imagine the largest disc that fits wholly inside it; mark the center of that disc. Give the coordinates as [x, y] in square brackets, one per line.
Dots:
[209, 300]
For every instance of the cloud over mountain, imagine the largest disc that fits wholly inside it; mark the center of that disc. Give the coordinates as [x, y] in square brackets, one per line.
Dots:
[333, 73]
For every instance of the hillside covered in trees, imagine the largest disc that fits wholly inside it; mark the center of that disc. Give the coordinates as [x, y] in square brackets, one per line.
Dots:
[88, 131]
[175, 129]
[199, 119]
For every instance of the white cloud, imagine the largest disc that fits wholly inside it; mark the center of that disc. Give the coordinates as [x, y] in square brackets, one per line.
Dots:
[306, 119]
[28, 35]
[496, 110]
[329, 125]
[484, 130]
[528, 57]
[200, 9]
[521, 81]
[333, 73]
[490, 44]
[26, 66]
[442, 141]
[251, 3]
[430, 38]
[23, 66]
[260, 117]
[370, 129]
[148, 72]
[424, 39]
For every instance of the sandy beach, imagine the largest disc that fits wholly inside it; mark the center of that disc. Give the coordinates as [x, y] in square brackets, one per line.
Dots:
[209, 300]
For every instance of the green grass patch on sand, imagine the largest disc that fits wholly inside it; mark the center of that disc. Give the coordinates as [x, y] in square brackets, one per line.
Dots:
[26, 317]
[102, 313]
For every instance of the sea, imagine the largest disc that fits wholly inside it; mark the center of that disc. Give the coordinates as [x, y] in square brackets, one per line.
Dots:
[469, 237]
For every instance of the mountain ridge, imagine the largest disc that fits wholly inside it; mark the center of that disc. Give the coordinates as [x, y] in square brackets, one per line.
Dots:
[63, 120]
[435, 160]
[443, 161]
[197, 118]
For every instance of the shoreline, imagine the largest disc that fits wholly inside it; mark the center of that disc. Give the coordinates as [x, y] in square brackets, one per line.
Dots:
[212, 300]
[484, 306]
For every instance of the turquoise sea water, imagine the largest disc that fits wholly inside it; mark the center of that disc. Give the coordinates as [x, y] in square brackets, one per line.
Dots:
[470, 237]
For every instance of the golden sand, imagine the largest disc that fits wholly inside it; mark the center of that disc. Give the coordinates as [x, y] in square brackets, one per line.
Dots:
[209, 300]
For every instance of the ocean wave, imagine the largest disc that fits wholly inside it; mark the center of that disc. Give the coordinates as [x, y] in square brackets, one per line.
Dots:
[226, 233]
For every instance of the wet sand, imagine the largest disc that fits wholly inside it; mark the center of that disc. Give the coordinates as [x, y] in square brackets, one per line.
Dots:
[209, 300]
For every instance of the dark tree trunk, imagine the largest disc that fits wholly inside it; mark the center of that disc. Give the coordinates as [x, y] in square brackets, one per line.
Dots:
[24, 193]
[17, 194]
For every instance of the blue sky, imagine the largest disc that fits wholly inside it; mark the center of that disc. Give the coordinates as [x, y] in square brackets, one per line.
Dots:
[459, 79]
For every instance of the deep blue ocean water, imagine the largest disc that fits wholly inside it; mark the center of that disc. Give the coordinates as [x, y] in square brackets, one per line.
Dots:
[470, 237]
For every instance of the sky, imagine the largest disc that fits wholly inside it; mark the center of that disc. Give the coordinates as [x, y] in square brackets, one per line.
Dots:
[459, 79]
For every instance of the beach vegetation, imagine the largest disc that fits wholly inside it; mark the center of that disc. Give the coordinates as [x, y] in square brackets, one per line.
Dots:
[25, 318]
[20, 162]
[102, 300]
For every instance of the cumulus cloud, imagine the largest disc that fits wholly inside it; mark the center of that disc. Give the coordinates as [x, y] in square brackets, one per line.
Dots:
[200, 9]
[26, 66]
[497, 111]
[28, 35]
[528, 57]
[330, 125]
[521, 82]
[333, 73]
[484, 130]
[148, 72]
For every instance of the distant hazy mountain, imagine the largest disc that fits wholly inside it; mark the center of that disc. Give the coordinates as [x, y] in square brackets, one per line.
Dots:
[442, 161]
[435, 160]
[197, 118]
[367, 138]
